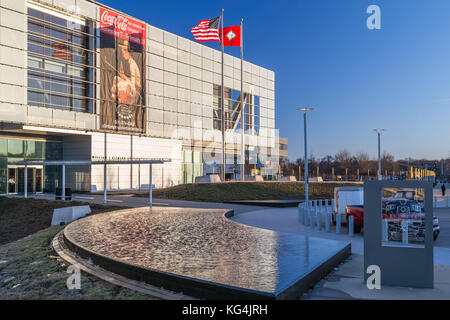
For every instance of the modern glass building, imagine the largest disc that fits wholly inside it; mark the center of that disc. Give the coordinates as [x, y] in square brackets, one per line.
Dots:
[81, 81]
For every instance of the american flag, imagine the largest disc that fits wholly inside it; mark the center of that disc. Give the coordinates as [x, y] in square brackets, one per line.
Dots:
[61, 51]
[207, 30]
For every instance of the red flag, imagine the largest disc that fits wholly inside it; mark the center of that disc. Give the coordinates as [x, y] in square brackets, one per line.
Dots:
[232, 36]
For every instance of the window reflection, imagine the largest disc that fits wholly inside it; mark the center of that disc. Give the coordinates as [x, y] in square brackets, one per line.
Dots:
[60, 64]
[15, 148]
[233, 110]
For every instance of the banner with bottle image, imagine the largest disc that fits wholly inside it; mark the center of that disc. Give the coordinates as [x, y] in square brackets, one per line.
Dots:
[122, 75]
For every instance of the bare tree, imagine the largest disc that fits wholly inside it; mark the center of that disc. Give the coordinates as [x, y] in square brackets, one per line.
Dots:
[363, 161]
[343, 160]
[388, 163]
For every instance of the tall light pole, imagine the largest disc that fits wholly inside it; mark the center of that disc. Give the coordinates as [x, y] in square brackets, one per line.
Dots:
[379, 131]
[305, 112]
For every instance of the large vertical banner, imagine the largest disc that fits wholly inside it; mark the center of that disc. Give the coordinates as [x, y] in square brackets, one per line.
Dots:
[122, 75]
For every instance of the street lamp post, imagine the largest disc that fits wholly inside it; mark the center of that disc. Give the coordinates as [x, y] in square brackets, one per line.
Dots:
[305, 111]
[379, 131]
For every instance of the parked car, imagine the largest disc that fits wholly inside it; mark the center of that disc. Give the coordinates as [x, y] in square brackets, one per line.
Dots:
[396, 211]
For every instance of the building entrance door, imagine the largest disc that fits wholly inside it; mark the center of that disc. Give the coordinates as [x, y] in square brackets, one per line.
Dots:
[16, 177]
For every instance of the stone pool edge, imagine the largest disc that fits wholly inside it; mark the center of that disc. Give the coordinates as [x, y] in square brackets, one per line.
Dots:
[202, 288]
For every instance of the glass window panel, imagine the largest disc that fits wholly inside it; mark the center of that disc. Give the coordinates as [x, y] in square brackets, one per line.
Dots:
[36, 63]
[80, 104]
[57, 85]
[257, 111]
[56, 33]
[56, 20]
[3, 175]
[36, 28]
[257, 121]
[56, 100]
[36, 97]
[35, 48]
[59, 51]
[40, 150]
[74, 26]
[30, 149]
[79, 91]
[53, 151]
[34, 150]
[78, 59]
[216, 91]
[35, 14]
[3, 147]
[53, 66]
[235, 95]
[77, 40]
[76, 71]
[35, 83]
[36, 40]
[36, 104]
[257, 101]
[78, 51]
[15, 148]
[15, 160]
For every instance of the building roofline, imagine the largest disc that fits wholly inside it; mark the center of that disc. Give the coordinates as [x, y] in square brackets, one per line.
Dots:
[148, 24]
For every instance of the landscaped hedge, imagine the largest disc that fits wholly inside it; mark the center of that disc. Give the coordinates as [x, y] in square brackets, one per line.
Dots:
[223, 192]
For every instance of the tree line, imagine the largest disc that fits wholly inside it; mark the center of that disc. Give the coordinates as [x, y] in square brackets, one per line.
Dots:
[343, 164]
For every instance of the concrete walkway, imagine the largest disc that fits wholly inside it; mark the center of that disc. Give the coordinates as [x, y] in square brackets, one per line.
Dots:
[347, 281]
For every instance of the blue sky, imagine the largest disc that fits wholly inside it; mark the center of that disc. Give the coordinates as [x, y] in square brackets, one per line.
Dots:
[323, 55]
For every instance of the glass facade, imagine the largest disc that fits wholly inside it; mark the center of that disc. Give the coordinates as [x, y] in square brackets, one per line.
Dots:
[61, 60]
[192, 166]
[15, 150]
[233, 110]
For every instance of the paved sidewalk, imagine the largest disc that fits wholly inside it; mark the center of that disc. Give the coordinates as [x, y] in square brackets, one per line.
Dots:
[347, 281]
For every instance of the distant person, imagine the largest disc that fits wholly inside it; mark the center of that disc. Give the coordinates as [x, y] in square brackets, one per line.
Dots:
[443, 190]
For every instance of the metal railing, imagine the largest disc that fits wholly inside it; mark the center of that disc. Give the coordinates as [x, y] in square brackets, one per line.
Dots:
[317, 214]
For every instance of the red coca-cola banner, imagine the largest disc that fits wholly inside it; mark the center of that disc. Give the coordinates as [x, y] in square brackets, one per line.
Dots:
[122, 27]
[122, 73]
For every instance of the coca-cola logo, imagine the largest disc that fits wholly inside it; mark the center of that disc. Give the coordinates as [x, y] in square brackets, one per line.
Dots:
[120, 22]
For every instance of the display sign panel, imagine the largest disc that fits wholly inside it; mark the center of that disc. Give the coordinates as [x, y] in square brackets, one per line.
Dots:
[122, 76]
[399, 233]
[403, 217]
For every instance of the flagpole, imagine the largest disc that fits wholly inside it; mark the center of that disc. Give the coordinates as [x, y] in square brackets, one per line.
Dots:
[223, 107]
[242, 105]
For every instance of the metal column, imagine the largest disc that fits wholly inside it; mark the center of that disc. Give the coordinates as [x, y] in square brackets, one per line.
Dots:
[25, 175]
[150, 201]
[63, 194]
